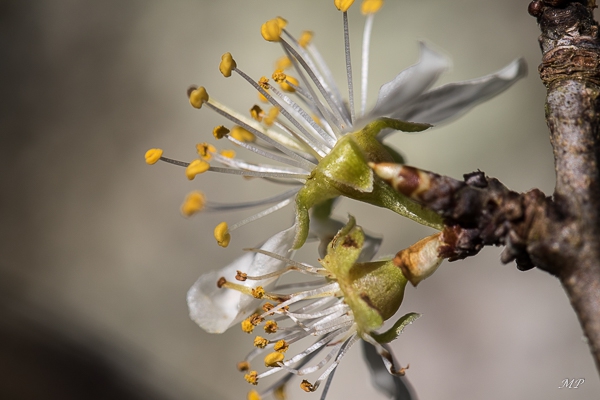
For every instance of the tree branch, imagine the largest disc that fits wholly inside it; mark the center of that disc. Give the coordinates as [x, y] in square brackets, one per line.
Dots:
[560, 235]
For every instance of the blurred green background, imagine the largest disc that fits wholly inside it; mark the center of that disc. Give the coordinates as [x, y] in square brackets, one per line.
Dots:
[95, 259]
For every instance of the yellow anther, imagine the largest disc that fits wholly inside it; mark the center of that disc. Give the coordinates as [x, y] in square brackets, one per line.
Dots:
[262, 98]
[241, 134]
[270, 326]
[267, 307]
[247, 326]
[272, 360]
[256, 113]
[153, 155]
[243, 366]
[271, 116]
[227, 65]
[227, 153]
[286, 85]
[205, 150]
[258, 292]
[271, 30]
[255, 319]
[305, 38]
[343, 5]
[283, 63]
[193, 203]
[198, 96]
[370, 6]
[281, 346]
[251, 377]
[222, 234]
[282, 22]
[279, 393]
[278, 76]
[260, 342]
[220, 131]
[264, 83]
[307, 386]
[253, 395]
[196, 167]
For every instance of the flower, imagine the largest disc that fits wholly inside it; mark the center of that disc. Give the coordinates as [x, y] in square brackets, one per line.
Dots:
[315, 140]
[346, 299]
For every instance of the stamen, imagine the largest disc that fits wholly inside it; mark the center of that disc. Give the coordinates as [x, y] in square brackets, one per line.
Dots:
[307, 386]
[343, 5]
[283, 63]
[253, 395]
[222, 235]
[251, 377]
[227, 153]
[198, 96]
[347, 345]
[205, 150]
[365, 61]
[370, 6]
[348, 66]
[301, 266]
[243, 366]
[305, 39]
[250, 204]
[256, 113]
[273, 359]
[260, 342]
[220, 131]
[271, 30]
[196, 167]
[241, 134]
[227, 65]
[281, 346]
[261, 214]
[153, 155]
[271, 327]
[193, 203]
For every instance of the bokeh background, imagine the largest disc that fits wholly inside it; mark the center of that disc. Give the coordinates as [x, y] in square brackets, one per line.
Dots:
[95, 259]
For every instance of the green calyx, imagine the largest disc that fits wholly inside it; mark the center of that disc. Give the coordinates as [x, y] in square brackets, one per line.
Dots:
[373, 290]
[345, 172]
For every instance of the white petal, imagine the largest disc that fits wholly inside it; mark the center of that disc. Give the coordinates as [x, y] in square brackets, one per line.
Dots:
[454, 99]
[410, 83]
[325, 229]
[216, 309]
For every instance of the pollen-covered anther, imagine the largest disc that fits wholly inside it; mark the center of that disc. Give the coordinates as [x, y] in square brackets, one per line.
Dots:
[256, 319]
[251, 377]
[153, 155]
[205, 150]
[271, 30]
[247, 326]
[305, 38]
[227, 65]
[270, 326]
[197, 96]
[256, 113]
[273, 359]
[267, 307]
[241, 134]
[281, 346]
[253, 395]
[241, 276]
[196, 167]
[370, 6]
[193, 203]
[260, 342]
[220, 131]
[243, 366]
[222, 235]
[289, 85]
[258, 292]
[264, 83]
[307, 386]
[343, 5]
[271, 116]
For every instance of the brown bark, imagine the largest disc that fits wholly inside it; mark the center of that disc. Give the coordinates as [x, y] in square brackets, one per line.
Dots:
[560, 235]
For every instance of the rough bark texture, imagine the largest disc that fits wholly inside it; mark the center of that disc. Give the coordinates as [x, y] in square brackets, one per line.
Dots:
[560, 235]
